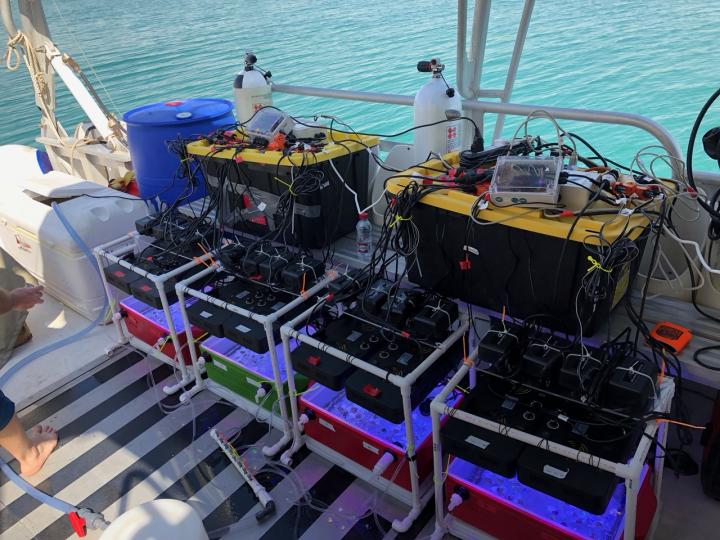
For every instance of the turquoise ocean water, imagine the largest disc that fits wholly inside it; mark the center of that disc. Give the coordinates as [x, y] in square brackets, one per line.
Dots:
[657, 58]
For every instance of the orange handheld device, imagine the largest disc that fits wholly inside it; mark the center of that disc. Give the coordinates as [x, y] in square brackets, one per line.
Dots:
[673, 336]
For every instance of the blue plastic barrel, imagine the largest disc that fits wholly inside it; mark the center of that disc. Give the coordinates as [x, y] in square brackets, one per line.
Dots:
[150, 129]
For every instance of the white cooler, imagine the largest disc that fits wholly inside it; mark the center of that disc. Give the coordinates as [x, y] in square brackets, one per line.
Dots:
[33, 235]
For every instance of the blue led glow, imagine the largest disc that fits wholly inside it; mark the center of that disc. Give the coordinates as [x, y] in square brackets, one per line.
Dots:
[157, 316]
[336, 404]
[544, 507]
[245, 358]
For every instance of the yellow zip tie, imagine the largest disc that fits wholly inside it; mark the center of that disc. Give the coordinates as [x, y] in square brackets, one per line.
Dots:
[399, 219]
[596, 265]
[283, 182]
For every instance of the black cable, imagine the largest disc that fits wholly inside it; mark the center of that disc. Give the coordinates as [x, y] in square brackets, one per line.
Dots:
[710, 209]
[703, 350]
[400, 133]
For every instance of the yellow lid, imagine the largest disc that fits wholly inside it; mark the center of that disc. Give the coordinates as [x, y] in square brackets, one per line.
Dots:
[342, 144]
[529, 219]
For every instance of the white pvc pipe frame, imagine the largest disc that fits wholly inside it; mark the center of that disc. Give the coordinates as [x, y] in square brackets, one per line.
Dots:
[630, 472]
[268, 321]
[101, 252]
[287, 331]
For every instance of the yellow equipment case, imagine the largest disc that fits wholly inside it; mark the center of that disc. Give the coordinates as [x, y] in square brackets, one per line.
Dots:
[262, 191]
[516, 260]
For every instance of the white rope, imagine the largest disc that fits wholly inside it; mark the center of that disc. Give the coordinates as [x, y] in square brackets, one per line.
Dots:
[20, 48]
[13, 56]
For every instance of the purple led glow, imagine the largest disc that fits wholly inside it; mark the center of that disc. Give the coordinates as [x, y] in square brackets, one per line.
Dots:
[336, 404]
[546, 508]
[157, 316]
[258, 363]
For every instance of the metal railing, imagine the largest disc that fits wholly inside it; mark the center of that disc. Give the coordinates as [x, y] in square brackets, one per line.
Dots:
[470, 63]
[657, 131]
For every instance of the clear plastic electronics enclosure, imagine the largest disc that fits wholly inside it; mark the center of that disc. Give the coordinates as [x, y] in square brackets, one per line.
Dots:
[525, 180]
[267, 123]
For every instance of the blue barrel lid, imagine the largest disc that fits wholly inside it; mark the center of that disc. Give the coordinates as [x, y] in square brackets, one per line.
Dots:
[180, 111]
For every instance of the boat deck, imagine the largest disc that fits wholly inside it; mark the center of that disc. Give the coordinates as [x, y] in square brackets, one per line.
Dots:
[119, 449]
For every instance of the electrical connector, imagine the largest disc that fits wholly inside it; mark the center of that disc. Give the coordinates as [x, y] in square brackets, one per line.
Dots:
[460, 495]
[262, 391]
[383, 463]
[305, 417]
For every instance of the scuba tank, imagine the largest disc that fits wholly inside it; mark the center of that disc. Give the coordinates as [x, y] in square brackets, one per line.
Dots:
[431, 103]
[252, 89]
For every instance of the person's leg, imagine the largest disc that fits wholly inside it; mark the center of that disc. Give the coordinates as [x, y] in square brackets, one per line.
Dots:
[12, 275]
[31, 450]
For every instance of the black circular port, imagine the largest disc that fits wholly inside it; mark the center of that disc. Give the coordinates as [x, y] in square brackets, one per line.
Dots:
[529, 416]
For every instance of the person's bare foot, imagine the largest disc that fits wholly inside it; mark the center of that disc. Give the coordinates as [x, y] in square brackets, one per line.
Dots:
[44, 440]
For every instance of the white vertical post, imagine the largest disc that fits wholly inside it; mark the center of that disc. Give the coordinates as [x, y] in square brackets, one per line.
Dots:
[469, 67]
[114, 309]
[297, 436]
[514, 62]
[279, 390]
[180, 289]
[631, 495]
[402, 525]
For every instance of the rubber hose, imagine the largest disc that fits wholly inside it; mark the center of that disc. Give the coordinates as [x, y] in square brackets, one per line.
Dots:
[70, 339]
[44, 498]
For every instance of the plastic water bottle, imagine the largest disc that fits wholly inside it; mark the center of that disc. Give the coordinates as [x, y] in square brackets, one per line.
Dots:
[363, 236]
